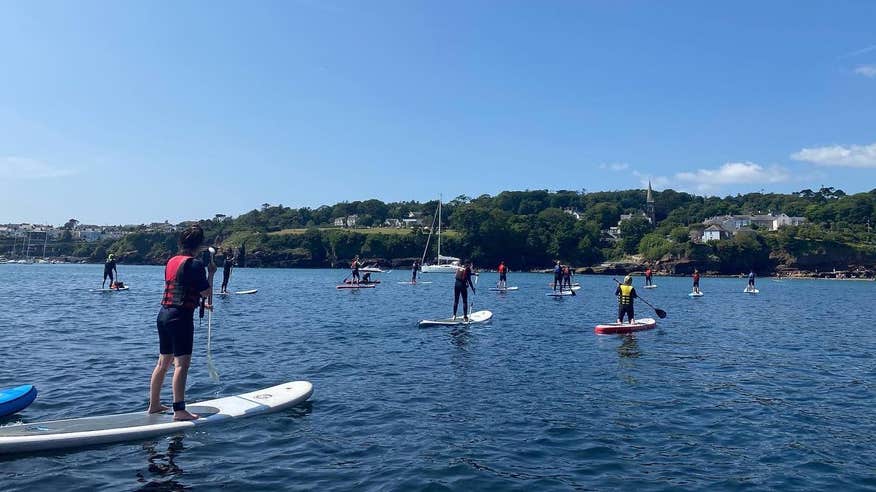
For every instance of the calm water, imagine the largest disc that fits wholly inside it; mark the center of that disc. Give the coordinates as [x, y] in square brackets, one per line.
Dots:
[731, 391]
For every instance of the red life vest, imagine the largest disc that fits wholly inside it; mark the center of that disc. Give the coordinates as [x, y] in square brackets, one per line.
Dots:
[175, 293]
[502, 268]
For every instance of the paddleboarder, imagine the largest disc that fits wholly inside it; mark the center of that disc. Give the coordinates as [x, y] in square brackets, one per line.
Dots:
[625, 293]
[354, 270]
[460, 289]
[696, 281]
[109, 267]
[226, 270]
[186, 284]
[648, 274]
[750, 281]
[503, 276]
[415, 268]
[558, 276]
[567, 277]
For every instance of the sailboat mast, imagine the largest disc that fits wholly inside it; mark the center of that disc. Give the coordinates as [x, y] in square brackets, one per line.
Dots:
[45, 241]
[439, 229]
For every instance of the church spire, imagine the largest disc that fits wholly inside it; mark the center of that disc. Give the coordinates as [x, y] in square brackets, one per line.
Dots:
[649, 200]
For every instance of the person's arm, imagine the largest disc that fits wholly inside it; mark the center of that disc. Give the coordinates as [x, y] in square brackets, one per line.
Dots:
[470, 282]
[617, 290]
[205, 285]
[633, 294]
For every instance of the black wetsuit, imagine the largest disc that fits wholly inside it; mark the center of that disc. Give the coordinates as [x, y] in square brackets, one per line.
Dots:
[414, 270]
[567, 278]
[460, 288]
[226, 272]
[625, 304]
[176, 325]
[558, 277]
[355, 271]
[108, 269]
[751, 280]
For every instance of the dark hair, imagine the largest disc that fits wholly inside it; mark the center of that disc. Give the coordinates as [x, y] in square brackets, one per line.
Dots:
[191, 238]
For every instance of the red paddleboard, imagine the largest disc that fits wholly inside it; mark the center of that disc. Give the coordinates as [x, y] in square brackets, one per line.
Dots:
[639, 325]
[356, 286]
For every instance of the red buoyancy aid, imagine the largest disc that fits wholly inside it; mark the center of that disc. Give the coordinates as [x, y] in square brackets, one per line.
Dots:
[175, 293]
[502, 268]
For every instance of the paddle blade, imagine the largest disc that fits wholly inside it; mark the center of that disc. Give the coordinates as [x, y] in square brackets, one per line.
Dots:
[660, 313]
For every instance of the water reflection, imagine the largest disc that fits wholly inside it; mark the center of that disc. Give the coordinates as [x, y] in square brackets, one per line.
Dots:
[163, 466]
[629, 347]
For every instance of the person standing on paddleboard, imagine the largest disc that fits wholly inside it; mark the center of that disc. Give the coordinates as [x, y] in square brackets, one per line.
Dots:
[558, 276]
[354, 270]
[567, 277]
[186, 284]
[414, 270]
[108, 268]
[625, 293]
[750, 280]
[696, 281]
[460, 288]
[503, 275]
[648, 274]
[226, 270]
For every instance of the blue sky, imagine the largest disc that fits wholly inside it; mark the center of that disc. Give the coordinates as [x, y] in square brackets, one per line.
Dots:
[126, 112]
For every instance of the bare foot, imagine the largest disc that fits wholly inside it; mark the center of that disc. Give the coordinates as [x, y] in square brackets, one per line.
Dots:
[158, 409]
[184, 415]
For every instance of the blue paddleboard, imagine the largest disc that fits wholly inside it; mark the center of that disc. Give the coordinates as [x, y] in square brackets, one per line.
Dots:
[16, 399]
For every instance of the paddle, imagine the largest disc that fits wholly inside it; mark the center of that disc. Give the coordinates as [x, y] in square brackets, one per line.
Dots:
[660, 313]
[211, 368]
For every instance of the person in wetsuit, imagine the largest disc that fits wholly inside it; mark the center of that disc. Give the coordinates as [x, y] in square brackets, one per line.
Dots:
[108, 268]
[354, 270]
[460, 288]
[186, 285]
[414, 270]
[648, 274]
[751, 280]
[226, 270]
[366, 279]
[558, 276]
[696, 281]
[625, 294]
[567, 277]
[503, 275]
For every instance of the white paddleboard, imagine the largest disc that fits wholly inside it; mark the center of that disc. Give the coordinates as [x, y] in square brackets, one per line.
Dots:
[561, 294]
[652, 286]
[244, 292]
[87, 431]
[112, 290]
[414, 283]
[694, 294]
[501, 289]
[751, 291]
[476, 317]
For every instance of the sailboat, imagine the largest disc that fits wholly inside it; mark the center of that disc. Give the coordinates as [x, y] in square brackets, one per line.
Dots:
[444, 264]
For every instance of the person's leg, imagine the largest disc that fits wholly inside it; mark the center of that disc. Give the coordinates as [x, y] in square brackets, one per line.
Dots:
[112, 279]
[180, 374]
[620, 313]
[456, 293]
[157, 381]
[465, 303]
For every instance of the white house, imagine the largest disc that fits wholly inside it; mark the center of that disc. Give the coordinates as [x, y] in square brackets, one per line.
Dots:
[714, 233]
[782, 220]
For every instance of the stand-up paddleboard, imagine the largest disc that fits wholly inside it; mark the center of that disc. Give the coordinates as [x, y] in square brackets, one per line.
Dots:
[639, 325]
[246, 292]
[503, 289]
[356, 286]
[652, 286]
[372, 270]
[414, 283]
[113, 290]
[16, 399]
[87, 431]
[561, 293]
[476, 317]
[751, 291]
[696, 294]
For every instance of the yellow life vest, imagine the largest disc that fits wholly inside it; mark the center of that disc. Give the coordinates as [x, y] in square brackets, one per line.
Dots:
[625, 299]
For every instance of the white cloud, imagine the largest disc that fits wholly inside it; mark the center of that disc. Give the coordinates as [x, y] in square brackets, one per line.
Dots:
[839, 155]
[615, 166]
[866, 70]
[859, 52]
[25, 168]
[731, 173]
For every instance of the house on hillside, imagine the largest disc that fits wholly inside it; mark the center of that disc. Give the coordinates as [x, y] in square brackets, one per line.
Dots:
[735, 223]
[714, 233]
[348, 221]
